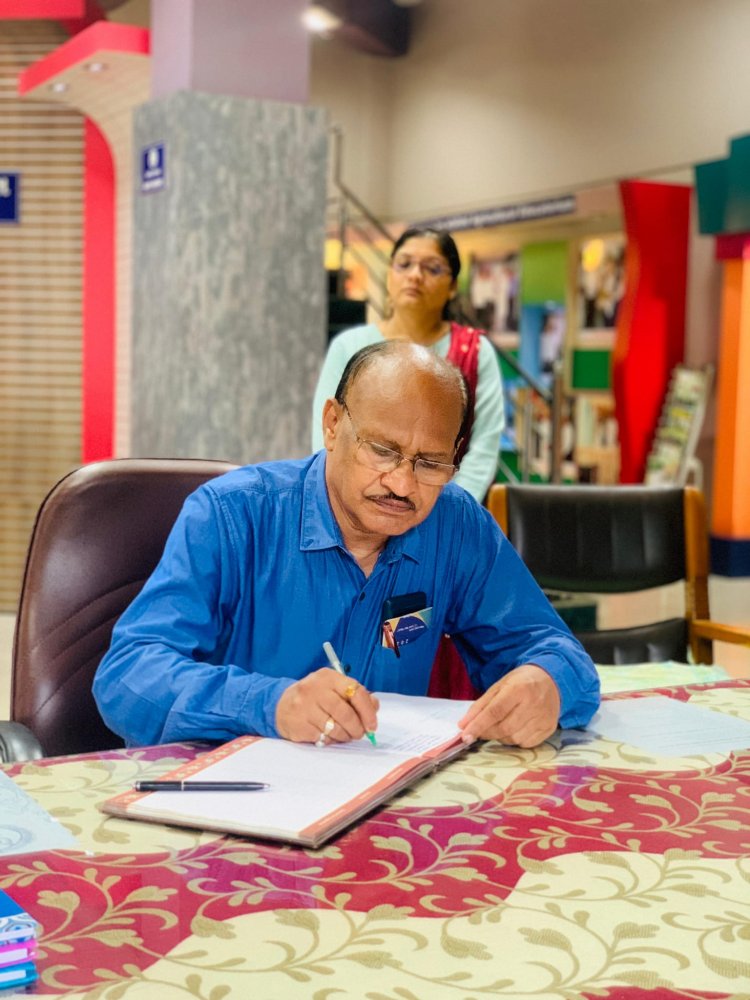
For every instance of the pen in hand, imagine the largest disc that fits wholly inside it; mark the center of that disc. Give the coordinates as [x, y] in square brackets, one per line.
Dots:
[200, 786]
[337, 666]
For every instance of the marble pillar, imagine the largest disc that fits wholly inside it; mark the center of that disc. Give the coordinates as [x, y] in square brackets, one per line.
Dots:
[229, 283]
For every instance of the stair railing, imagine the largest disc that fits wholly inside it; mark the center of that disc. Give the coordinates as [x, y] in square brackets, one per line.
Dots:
[358, 230]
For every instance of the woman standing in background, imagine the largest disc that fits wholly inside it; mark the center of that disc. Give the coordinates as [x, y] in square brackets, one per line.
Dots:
[421, 283]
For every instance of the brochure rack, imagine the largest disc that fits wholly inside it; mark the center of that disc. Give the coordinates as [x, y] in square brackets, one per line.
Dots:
[672, 460]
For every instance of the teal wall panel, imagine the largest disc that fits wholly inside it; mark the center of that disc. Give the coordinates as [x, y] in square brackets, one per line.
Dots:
[711, 188]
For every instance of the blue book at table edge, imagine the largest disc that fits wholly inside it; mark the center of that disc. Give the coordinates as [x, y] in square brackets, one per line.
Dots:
[16, 927]
[17, 975]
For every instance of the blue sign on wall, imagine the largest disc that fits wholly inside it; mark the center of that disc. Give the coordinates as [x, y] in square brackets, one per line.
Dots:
[153, 168]
[9, 187]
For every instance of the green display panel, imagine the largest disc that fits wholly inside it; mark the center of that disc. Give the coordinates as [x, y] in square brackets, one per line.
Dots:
[591, 370]
[544, 273]
[506, 372]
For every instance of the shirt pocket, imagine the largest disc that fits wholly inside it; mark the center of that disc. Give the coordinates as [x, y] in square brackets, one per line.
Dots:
[405, 630]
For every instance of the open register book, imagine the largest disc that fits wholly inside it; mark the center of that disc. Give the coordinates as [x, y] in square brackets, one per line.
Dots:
[315, 791]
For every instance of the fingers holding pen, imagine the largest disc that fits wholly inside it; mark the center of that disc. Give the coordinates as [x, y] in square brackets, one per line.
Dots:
[363, 707]
[322, 708]
[351, 692]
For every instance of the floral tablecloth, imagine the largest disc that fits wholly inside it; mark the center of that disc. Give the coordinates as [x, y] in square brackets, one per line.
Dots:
[578, 869]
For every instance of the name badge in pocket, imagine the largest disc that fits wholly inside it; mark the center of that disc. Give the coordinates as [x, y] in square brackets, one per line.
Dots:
[405, 619]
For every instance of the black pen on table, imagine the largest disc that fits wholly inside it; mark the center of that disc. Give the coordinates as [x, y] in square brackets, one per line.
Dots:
[338, 667]
[167, 785]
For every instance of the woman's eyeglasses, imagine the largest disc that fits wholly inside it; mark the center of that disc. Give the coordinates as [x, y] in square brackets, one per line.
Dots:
[430, 268]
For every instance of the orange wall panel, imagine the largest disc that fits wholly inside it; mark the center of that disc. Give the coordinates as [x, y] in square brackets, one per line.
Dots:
[731, 486]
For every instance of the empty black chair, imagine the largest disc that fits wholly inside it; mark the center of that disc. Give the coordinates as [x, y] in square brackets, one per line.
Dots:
[618, 539]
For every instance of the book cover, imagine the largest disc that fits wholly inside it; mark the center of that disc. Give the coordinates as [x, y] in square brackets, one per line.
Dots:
[342, 782]
[18, 975]
[15, 923]
[17, 952]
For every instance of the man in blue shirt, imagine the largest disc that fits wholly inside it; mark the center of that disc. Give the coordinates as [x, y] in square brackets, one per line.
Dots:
[268, 562]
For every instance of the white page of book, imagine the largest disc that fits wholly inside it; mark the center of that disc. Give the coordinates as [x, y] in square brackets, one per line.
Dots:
[669, 727]
[409, 725]
[309, 782]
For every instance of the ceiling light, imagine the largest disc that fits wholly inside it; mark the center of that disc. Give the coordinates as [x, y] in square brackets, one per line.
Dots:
[96, 67]
[320, 19]
[59, 87]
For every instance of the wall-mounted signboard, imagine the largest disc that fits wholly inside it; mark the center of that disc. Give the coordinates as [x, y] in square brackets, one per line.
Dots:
[506, 215]
[153, 168]
[9, 196]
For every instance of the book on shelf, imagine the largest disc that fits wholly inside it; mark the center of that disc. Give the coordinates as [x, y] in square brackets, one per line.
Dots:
[315, 792]
[17, 944]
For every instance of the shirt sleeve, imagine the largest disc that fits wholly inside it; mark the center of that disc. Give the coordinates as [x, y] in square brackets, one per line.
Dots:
[163, 678]
[503, 620]
[479, 464]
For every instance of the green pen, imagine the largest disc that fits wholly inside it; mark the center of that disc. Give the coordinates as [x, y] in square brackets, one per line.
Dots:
[337, 666]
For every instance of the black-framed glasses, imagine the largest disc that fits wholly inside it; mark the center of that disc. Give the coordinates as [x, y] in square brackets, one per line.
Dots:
[381, 459]
[431, 267]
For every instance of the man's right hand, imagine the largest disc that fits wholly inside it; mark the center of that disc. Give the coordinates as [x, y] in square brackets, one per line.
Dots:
[320, 708]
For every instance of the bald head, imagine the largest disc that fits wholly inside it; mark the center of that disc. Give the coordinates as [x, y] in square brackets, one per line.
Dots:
[391, 436]
[403, 367]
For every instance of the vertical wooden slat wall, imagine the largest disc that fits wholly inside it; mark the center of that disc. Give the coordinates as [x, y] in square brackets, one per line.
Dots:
[40, 298]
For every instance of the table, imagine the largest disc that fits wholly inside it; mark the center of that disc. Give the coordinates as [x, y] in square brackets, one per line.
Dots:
[572, 870]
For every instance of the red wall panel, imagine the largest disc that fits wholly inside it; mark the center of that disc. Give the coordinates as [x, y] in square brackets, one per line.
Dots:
[650, 336]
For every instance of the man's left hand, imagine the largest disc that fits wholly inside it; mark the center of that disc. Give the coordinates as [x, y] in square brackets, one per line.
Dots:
[521, 709]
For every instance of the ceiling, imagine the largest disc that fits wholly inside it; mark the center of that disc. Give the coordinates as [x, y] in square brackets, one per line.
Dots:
[378, 27]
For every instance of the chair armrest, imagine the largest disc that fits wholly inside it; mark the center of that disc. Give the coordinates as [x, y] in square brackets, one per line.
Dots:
[17, 742]
[705, 629]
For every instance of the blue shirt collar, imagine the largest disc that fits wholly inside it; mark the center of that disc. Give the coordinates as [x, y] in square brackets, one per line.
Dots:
[320, 529]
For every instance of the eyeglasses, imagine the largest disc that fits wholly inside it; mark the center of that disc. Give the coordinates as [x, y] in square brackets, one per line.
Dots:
[381, 459]
[430, 268]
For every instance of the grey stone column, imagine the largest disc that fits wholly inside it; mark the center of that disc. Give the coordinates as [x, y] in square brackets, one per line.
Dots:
[228, 279]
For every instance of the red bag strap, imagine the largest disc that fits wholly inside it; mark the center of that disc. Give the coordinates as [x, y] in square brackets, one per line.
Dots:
[463, 352]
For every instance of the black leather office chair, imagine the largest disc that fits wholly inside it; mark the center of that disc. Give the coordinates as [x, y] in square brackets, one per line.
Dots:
[98, 535]
[619, 539]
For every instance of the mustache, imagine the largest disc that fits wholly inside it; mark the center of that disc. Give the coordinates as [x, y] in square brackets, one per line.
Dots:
[394, 496]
